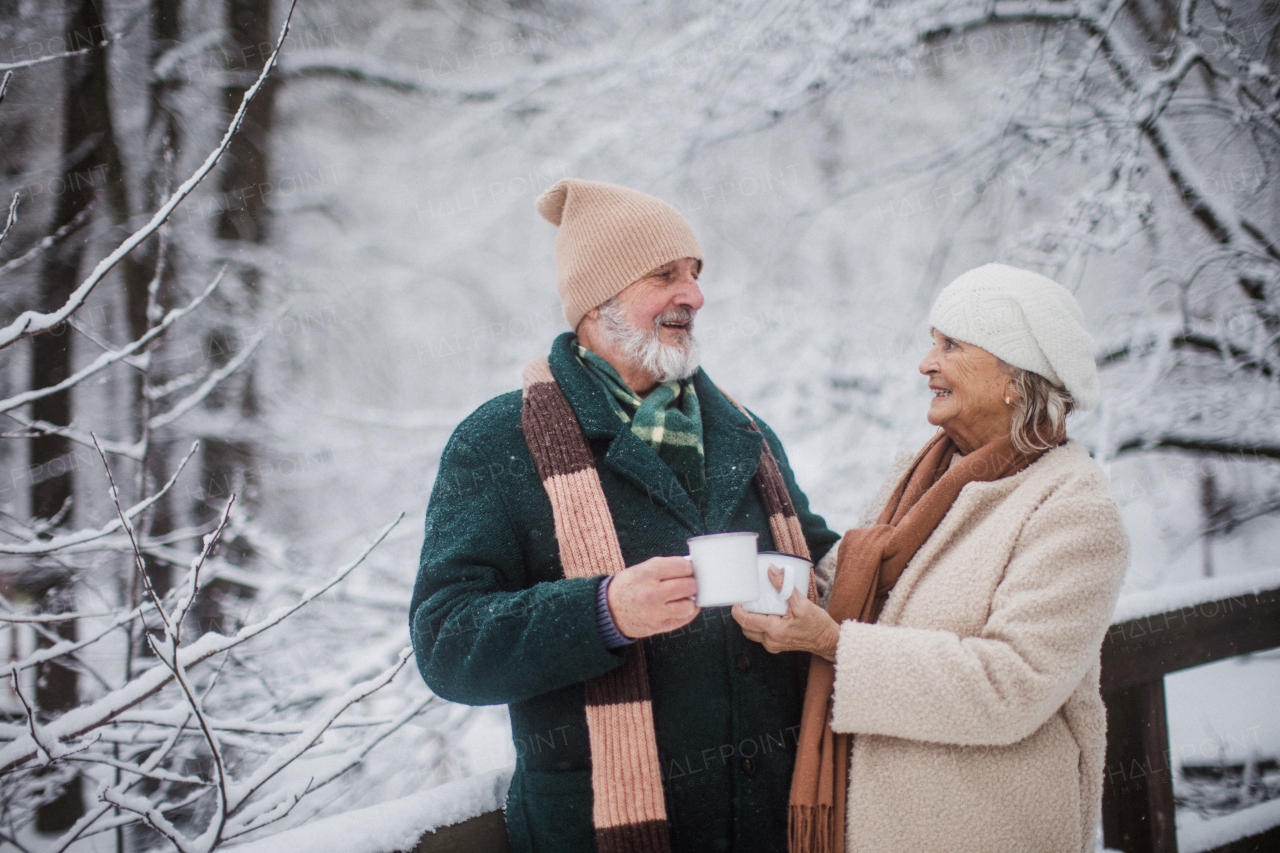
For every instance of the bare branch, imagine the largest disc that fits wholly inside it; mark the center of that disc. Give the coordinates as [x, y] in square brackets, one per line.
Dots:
[167, 651]
[34, 428]
[1198, 445]
[13, 205]
[211, 381]
[42, 752]
[168, 716]
[137, 770]
[159, 392]
[47, 618]
[350, 759]
[174, 620]
[344, 64]
[139, 564]
[1240, 357]
[41, 60]
[167, 807]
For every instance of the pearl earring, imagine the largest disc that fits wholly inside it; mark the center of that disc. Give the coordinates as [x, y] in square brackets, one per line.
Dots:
[1008, 401]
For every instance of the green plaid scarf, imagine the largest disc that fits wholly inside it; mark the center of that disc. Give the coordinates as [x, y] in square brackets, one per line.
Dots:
[668, 420]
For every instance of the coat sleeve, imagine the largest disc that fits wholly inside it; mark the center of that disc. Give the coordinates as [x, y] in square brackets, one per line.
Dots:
[817, 535]
[1047, 619]
[482, 633]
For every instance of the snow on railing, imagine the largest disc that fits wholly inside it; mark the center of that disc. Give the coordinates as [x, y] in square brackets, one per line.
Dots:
[1199, 835]
[1168, 599]
[392, 826]
[400, 825]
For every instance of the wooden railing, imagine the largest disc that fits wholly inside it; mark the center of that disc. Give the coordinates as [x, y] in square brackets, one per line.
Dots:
[1137, 803]
[486, 833]
[1137, 800]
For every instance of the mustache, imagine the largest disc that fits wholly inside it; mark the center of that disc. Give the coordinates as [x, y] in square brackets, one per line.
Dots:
[676, 315]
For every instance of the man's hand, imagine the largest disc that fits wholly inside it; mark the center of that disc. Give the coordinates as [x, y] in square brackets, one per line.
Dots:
[805, 628]
[653, 597]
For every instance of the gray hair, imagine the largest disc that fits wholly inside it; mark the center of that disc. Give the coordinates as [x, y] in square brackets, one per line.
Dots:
[1039, 411]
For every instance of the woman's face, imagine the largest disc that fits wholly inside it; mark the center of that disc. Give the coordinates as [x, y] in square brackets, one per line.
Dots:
[969, 388]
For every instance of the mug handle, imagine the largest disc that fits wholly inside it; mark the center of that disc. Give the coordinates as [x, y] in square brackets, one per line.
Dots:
[788, 583]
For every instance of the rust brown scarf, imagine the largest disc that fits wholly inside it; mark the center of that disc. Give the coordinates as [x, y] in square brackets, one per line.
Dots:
[868, 564]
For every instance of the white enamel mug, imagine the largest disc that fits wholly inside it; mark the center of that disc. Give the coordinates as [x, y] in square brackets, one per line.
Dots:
[795, 574]
[724, 565]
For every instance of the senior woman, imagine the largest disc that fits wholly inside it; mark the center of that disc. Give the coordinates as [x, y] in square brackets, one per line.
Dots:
[953, 702]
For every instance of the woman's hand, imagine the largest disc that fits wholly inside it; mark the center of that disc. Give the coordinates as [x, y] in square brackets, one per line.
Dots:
[805, 628]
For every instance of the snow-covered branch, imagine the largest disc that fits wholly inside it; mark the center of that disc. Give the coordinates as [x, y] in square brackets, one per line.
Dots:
[13, 205]
[211, 381]
[82, 720]
[240, 792]
[34, 322]
[111, 357]
[48, 241]
[1150, 91]
[54, 544]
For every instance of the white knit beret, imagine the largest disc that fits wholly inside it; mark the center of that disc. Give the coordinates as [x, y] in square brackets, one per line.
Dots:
[1024, 319]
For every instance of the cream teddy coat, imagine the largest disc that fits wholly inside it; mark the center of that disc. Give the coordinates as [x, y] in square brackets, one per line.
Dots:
[974, 703]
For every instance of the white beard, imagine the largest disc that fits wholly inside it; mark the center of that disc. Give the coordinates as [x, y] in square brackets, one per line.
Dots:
[665, 362]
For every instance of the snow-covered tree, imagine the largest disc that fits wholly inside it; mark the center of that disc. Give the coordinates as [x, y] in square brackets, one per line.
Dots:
[164, 734]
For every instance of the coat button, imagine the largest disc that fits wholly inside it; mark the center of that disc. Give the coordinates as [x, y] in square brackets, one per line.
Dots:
[748, 767]
[743, 663]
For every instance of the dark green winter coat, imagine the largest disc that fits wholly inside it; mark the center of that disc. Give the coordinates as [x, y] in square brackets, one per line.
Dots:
[494, 620]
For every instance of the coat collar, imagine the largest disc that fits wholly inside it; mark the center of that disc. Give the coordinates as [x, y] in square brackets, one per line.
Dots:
[732, 449]
[979, 497]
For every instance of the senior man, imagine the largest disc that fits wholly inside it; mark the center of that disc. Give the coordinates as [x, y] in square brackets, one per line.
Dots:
[548, 578]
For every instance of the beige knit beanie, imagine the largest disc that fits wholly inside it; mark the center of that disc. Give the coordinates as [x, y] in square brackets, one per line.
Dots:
[1024, 319]
[609, 237]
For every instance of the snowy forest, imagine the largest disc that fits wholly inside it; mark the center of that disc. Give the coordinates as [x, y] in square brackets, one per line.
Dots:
[258, 259]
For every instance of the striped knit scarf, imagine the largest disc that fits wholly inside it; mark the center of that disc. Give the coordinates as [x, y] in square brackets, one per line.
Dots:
[629, 811]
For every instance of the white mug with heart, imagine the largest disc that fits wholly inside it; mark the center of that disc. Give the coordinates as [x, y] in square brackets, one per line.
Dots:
[795, 575]
[724, 565]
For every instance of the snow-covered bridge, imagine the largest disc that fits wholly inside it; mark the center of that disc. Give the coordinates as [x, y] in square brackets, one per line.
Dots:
[1153, 634]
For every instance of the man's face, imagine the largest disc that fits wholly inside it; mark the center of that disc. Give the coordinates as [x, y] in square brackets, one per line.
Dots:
[650, 323]
[664, 300]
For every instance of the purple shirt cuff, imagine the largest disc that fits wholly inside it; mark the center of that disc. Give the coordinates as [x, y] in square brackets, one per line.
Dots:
[613, 638]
